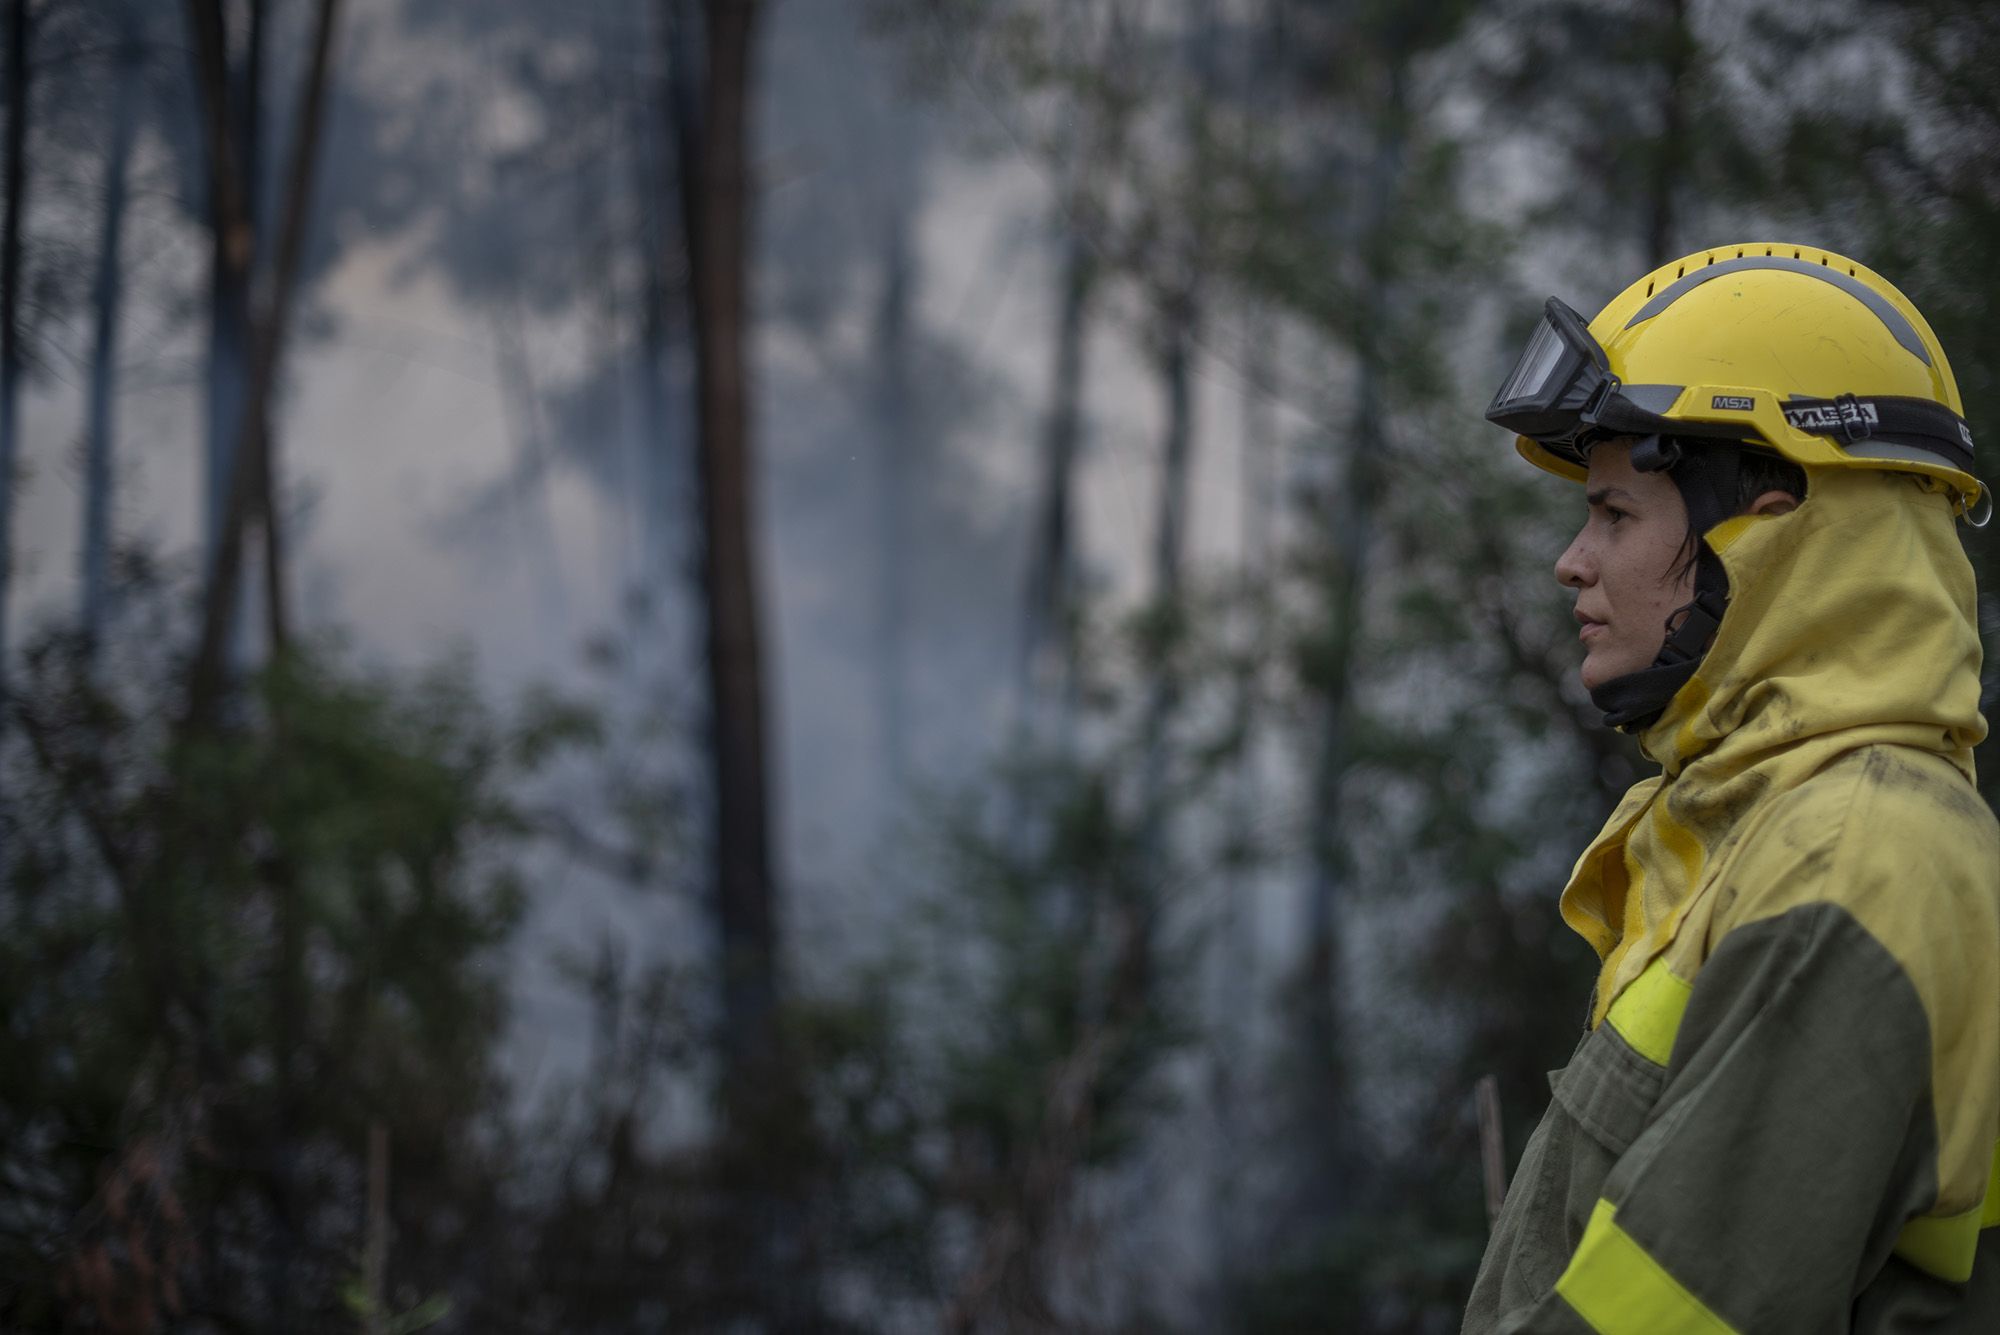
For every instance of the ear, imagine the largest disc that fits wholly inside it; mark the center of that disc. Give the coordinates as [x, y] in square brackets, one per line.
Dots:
[1774, 502]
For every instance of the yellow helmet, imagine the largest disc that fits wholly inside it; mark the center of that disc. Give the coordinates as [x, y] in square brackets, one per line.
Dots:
[1791, 347]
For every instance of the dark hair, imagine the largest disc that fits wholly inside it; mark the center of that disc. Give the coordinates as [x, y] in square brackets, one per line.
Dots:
[1757, 471]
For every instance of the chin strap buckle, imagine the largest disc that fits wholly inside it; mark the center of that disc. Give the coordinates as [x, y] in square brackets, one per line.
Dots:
[1691, 626]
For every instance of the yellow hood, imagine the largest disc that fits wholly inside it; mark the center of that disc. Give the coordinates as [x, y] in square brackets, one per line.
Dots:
[1851, 623]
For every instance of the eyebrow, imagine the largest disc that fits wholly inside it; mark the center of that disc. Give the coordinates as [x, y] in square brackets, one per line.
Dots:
[1603, 494]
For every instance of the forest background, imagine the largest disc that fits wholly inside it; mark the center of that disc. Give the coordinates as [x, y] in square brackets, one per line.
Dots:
[809, 665]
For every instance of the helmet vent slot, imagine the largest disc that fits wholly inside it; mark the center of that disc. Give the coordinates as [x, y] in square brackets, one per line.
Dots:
[1849, 282]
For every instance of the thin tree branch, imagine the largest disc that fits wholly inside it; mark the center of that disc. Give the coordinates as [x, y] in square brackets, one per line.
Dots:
[251, 472]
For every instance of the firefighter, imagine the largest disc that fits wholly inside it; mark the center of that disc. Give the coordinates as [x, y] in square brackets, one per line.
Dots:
[1784, 1111]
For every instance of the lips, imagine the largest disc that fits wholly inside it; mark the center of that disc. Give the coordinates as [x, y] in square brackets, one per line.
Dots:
[1588, 625]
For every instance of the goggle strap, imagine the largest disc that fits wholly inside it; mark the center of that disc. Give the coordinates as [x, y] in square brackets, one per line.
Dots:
[1850, 420]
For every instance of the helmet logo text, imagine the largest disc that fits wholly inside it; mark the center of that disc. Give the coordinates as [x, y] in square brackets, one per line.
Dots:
[1828, 417]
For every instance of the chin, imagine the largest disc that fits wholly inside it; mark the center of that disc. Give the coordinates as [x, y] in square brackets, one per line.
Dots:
[1595, 672]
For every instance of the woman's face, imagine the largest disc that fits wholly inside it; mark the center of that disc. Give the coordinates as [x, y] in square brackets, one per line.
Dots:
[1623, 564]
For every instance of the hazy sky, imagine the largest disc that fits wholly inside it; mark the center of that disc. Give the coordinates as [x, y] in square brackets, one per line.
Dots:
[395, 422]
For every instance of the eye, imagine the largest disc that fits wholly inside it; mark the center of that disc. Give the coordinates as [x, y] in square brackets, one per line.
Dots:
[1613, 514]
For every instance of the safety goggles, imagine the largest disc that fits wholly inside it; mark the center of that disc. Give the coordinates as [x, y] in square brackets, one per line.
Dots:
[1563, 395]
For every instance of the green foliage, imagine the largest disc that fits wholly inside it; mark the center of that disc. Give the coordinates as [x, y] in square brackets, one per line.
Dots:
[1059, 928]
[1393, 1273]
[1011, 1049]
[424, 1315]
[226, 955]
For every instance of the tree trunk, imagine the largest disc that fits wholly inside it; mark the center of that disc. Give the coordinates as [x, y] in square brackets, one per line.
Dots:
[1180, 319]
[16, 204]
[233, 237]
[252, 488]
[1671, 153]
[1351, 526]
[1047, 678]
[1179, 312]
[719, 225]
[229, 87]
[1234, 986]
[107, 295]
[1047, 647]
[1351, 522]
[757, 1085]
[661, 464]
[252, 484]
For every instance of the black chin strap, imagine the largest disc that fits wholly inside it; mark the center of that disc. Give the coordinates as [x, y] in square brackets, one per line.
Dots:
[1707, 481]
[1636, 699]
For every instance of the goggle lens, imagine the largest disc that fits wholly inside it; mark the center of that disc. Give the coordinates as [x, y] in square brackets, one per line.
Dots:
[1556, 378]
[1530, 378]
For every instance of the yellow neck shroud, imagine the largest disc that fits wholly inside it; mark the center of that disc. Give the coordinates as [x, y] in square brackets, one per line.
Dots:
[1851, 623]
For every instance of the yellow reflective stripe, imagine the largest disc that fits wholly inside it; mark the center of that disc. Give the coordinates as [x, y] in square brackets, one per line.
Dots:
[1647, 1014]
[1990, 1217]
[1943, 1245]
[1617, 1288]
[1946, 1244]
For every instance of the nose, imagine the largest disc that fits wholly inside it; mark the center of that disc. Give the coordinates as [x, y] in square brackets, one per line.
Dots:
[1574, 569]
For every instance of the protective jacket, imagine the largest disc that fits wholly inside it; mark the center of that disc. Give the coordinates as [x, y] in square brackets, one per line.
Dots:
[1785, 1112]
